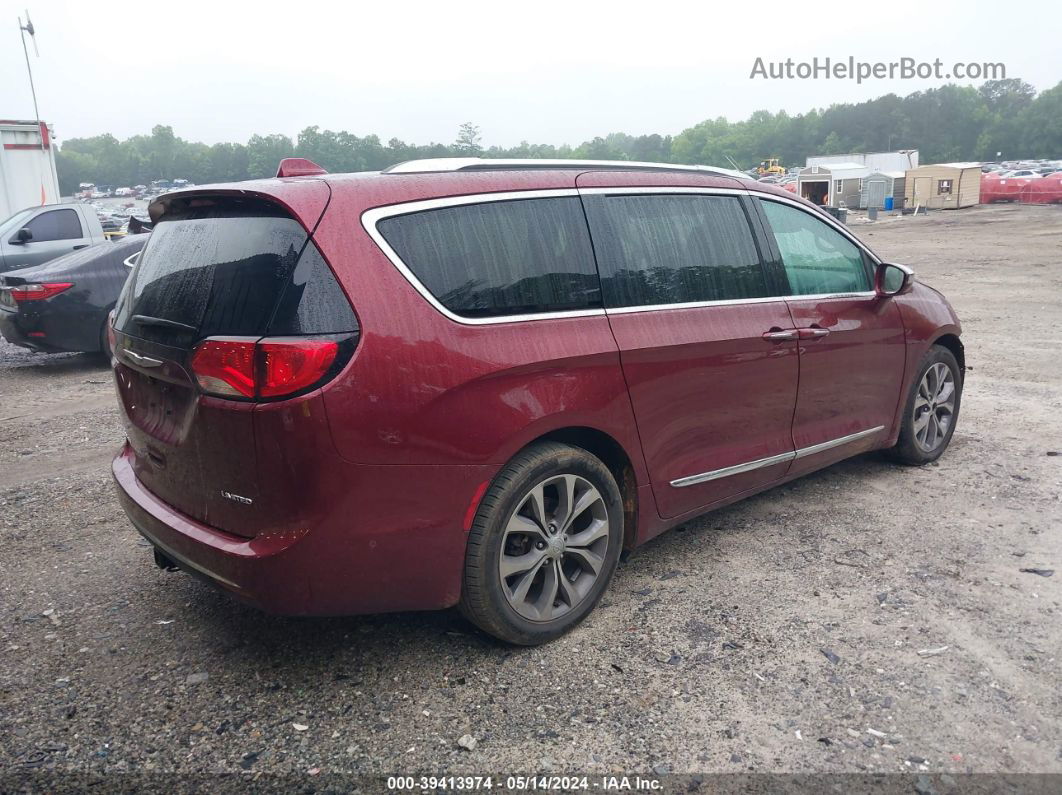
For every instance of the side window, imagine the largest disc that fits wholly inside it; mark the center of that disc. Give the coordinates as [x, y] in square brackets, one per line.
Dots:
[674, 248]
[817, 259]
[500, 258]
[55, 225]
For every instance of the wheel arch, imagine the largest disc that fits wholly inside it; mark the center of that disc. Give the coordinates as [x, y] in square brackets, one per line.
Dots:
[952, 343]
[613, 455]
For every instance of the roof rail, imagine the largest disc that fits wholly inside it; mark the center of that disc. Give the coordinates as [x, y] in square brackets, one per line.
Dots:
[450, 164]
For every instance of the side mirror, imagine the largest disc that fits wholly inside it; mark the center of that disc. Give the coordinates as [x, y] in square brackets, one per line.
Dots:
[892, 279]
[23, 235]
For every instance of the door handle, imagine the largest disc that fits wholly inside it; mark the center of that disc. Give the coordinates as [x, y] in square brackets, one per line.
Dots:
[83, 245]
[813, 333]
[780, 335]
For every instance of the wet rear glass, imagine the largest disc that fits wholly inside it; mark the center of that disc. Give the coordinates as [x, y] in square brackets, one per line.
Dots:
[217, 270]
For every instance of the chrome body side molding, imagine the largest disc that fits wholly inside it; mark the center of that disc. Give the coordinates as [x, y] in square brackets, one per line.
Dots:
[759, 463]
[852, 437]
[726, 472]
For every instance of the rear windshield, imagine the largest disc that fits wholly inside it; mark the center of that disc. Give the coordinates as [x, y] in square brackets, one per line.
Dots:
[225, 270]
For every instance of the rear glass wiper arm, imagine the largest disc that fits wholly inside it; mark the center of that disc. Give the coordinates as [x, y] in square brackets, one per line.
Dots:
[147, 320]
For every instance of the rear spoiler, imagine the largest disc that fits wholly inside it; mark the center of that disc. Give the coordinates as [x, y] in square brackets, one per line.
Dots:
[138, 226]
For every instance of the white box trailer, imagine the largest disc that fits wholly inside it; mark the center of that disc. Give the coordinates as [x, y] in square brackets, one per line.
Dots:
[900, 160]
[27, 166]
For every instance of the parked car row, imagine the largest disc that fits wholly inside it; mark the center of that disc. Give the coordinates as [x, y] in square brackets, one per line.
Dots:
[471, 382]
[89, 191]
[1032, 169]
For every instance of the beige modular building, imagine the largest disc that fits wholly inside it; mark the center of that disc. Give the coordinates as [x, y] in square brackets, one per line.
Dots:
[943, 186]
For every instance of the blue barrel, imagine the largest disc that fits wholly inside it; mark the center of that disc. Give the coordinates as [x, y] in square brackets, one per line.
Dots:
[888, 203]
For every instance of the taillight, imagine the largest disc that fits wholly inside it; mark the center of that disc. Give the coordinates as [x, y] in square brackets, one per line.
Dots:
[286, 366]
[112, 337]
[37, 292]
[267, 368]
[225, 367]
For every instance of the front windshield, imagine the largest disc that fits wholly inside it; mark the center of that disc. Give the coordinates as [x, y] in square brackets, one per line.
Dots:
[14, 222]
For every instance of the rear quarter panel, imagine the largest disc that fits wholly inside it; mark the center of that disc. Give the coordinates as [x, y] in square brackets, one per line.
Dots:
[424, 389]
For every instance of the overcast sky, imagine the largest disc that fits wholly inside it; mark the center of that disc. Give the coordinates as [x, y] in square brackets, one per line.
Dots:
[546, 72]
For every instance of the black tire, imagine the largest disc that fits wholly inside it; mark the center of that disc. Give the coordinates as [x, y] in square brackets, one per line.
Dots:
[908, 450]
[483, 601]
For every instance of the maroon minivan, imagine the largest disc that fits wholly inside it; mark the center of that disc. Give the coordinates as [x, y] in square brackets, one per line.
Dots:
[475, 382]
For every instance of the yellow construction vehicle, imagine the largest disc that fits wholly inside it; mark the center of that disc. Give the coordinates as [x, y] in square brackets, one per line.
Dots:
[770, 166]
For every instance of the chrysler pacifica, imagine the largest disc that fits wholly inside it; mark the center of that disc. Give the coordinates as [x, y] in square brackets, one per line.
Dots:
[475, 382]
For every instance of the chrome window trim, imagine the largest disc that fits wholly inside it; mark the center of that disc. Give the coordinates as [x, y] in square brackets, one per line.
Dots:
[650, 190]
[637, 190]
[803, 452]
[370, 218]
[623, 310]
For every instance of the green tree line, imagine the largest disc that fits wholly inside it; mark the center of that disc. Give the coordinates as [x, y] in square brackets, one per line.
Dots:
[949, 123]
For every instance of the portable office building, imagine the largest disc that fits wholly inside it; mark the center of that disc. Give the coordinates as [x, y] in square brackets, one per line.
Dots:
[836, 185]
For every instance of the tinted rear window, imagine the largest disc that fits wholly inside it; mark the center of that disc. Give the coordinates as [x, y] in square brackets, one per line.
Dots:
[500, 258]
[668, 249]
[230, 270]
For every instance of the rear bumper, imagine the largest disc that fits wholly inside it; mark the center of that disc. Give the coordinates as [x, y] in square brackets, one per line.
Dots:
[11, 332]
[371, 554]
[15, 328]
[238, 565]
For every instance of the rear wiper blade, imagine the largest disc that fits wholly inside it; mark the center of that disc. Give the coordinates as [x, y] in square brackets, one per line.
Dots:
[147, 320]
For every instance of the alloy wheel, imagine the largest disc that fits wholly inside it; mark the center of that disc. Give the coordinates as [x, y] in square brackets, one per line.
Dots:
[553, 548]
[934, 407]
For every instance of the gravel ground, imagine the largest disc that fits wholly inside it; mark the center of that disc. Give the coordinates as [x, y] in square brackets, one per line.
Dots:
[789, 633]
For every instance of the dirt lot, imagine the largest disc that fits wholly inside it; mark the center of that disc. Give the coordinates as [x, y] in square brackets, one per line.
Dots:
[786, 633]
